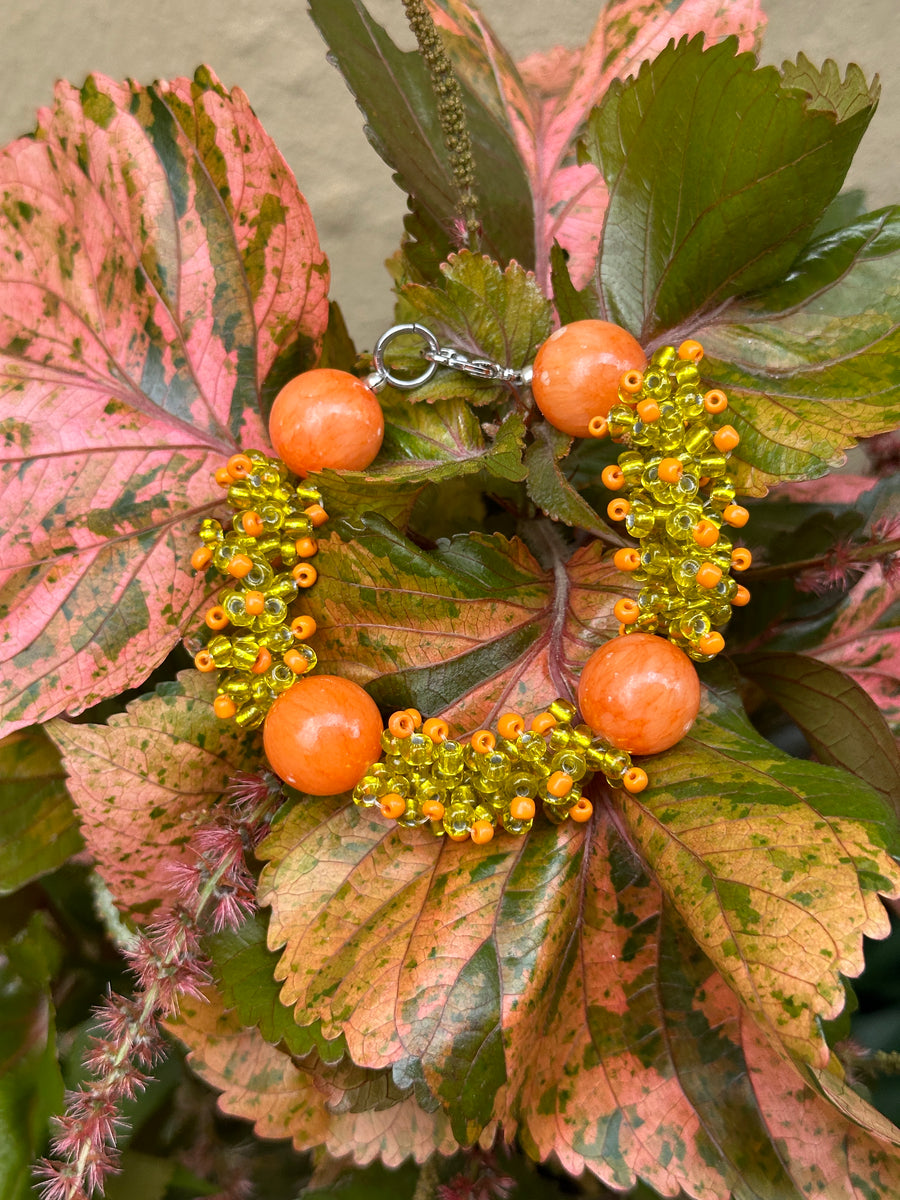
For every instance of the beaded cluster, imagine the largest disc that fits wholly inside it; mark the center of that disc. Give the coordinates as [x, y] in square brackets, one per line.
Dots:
[263, 557]
[677, 501]
[465, 790]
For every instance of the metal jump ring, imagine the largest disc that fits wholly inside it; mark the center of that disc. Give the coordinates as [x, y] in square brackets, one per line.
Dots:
[382, 373]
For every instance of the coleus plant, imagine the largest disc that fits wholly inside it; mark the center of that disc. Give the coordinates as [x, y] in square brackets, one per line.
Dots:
[654, 996]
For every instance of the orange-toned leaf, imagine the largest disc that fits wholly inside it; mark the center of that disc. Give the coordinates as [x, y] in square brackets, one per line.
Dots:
[157, 262]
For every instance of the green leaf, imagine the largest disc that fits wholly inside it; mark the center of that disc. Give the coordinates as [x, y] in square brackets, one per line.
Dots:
[571, 305]
[469, 627]
[31, 1085]
[143, 1177]
[38, 826]
[814, 362]
[718, 172]
[244, 969]
[393, 88]
[548, 486]
[842, 724]
[374, 1182]
[775, 865]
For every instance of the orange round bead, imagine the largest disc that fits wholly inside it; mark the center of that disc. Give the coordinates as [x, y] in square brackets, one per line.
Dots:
[222, 477]
[263, 661]
[613, 477]
[626, 610]
[640, 692]
[297, 662]
[670, 470]
[201, 558]
[416, 717]
[204, 661]
[631, 382]
[635, 780]
[598, 427]
[437, 729]
[224, 707]
[316, 514]
[254, 602]
[711, 643]
[252, 523]
[715, 401]
[627, 559]
[705, 534]
[239, 466]
[433, 809]
[618, 509]
[559, 784]
[240, 565]
[401, 725]
[326, 418]
[648, 411]
[582, 810]
[736, 516]
[306, 547]
[741, 597]
[392, 806]
[691, 350]
[483, 741]
[577, 372]
[726, 438]
[741, 558]
[303, 627]
[304, 575]
[322, 734]
[216, 617]
[510, 725]
[709, 575]
[482, 832]
[521, 808]
[542, 722]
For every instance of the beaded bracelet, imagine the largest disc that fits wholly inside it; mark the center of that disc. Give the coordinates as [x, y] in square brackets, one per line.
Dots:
[676, 501]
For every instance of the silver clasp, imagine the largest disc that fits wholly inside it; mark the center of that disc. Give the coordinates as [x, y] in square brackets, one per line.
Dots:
[437, 355]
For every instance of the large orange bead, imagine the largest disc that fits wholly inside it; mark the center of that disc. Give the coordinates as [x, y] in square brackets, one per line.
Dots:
[326, 418]
[639, 692]
[577, 372]
[322, 735]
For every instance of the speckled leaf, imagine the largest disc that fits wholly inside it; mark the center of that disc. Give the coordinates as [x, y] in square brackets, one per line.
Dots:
[285, 1097]
[842, 724]
[484, 311]
[156, 261]
[718, 173]
[543, 984]
[547, 99]
[142, 782]
[814, 363]
[465, 629]
[774, 863]
[38, 826]
[548, 486]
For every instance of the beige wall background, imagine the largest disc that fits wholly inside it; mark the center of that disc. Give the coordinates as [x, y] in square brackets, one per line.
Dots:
[271, 49]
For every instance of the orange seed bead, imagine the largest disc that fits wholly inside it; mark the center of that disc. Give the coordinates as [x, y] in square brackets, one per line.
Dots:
[216, 617]
[204, 661]
[316, 514]
[736, 516]
[670, 470]
[433, 809]
[239, 466]
[741, 558]
[542, 722]
[648, 411]
[401, 724]
[559, 784]
[254, 602]
[632, 381]
[715, 401]
[690, 349]
[263, 661]
[709, 575]
[482, 832]
[627, 559]
[510, 725]
[635, 780]
[416, 717]
[741, 596]
[201, 558]
[437, 729]
[618, 509]
[304, 575]
[222, 477]
[240, 565]
[297, 662]
[252, 523]
[705, 534]
[224, 707]
[392, 806]
[483, 741]
[711, 643]
[582, 810]
[626, 610]
[613, 477]
[306, 547]
[598, 427]
[521, 808]
[726, 438]
[303, 627]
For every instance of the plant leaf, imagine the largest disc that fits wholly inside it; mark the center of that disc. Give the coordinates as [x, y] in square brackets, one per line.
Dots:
[145, 779]
[775, 864]
[464, 630]
[814, 362]
[842, 724]
[157, 261]
[701, 206]
[38, 827]
[393, 88]
[549, 488]
[284, 1098]
[547, 99]
[544, 985]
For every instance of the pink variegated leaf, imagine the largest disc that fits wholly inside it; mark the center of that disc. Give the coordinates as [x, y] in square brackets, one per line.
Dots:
[156, 262]
[547, 99]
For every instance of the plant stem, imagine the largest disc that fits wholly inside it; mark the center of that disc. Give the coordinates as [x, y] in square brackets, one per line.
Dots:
[451, 113]
[860, 554]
